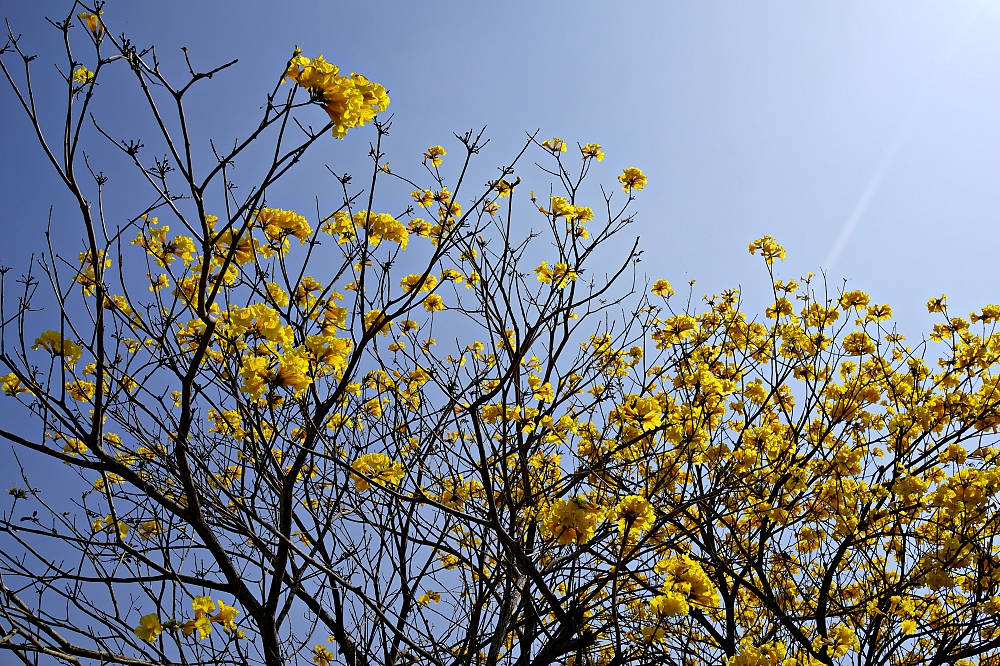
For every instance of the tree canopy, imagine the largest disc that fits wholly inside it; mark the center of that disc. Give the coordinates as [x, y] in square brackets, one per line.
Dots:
[454, 428]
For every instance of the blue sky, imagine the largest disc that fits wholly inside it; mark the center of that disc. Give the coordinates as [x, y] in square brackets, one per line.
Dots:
[748, 118]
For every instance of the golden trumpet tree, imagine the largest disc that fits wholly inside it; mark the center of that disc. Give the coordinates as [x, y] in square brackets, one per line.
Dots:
[418, 431]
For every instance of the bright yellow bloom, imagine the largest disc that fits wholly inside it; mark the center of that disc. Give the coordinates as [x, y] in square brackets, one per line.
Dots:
[149, 529]
[504, 187]
[11, 385]
[81, 390]
[74, 447]
[159, 282]
[83, 76]
[686, 578]
[423, 197]
[374, 320]
[201, 623]
[544, 392]
[840, 640]
[108, 521]
[149, 627]
[51, 341]
[410, 282]
[669, 604]
[434, 303]
[227, 615]
[938, 304]
[322, 656]
[858, 343]
[662, 288]
[349, 101]
[242, 248]
[767, 654]
[378, 468]
[382, 226]
[769, 249]
[592, 150]
[256, 372]
[558, 276]
[555, 145]
[429, 596]
[202, 605]
[279, 224]
[632, 179]
[633, 514]
[434, 154]
[93, 23]
[853, 299]
[293, 370]
[573, 521]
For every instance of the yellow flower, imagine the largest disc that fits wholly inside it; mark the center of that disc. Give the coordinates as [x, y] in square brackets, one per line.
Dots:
[662, 288]
[101, 524]
[592, 150]
[382, 226]
[853, 299]
[227, 615]
[54, 344]
[504, 187]
[158, 283]
[80, 390]
[686, 580]
[938, 304]
[573, 521]
[429, 596]
[410, 282]
[632, 179]
[434, 154]
[83, 76]
[559, 276]
[74, 447]
[378, 468]
[322, 656]
[858, 343]
[93, 23]
[350, 101]
[554, 145]
[12, 386]
[279, 224]
[669, 605]
[423, 197]
[202, 605]
[293, 370]
[241, 248]
[149, 529]
[203, 624]
[434, 303]
[633, 514]
[544, 392]
[149, 627]
[769, 249]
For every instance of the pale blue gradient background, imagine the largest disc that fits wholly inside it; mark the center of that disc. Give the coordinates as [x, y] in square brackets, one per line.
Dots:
[748, 118]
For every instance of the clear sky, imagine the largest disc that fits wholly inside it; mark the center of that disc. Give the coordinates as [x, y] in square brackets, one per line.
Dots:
[863, 135]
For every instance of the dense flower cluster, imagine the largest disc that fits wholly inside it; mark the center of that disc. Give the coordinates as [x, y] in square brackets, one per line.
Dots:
[350, 101]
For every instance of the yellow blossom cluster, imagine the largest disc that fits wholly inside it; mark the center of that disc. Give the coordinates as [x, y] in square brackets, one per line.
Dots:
[150, 626]
[559, 276]
[375, 468]
[350, 101]
[632, 179]
[572, 521]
